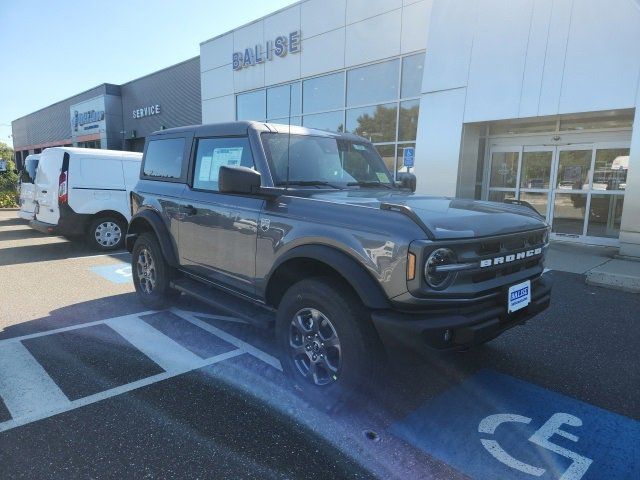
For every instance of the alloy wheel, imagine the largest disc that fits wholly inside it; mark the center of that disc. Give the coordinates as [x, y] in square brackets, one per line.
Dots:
[146, 270]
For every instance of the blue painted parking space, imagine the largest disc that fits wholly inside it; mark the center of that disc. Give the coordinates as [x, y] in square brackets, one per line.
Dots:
[118, 273]
[496, 426]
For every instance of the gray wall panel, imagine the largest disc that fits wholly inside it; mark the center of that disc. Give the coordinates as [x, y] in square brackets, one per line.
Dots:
[176, 89]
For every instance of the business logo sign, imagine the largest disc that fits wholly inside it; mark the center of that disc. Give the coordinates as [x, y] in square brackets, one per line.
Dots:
[260, 53]
[79, 119]
[146, 111]
[88, 117]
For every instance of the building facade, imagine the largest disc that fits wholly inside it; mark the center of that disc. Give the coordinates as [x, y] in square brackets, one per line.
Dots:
[115, 116]
[528, 99]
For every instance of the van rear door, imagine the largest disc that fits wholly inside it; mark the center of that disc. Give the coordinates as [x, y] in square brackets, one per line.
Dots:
[47, 183]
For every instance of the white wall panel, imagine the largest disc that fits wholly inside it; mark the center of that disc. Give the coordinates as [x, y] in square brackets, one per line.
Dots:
[603, 56]
[217, 82]
[320, 16]
[449, 42]
[221, 109]
[536, 51]
[373, 39]
[438, 145]
[323, 53]
[415, 21]
[554, 59]
[282, 23]
[358, 10]
[283, 69]
[497, 63]
[216, 53]
[248, 37]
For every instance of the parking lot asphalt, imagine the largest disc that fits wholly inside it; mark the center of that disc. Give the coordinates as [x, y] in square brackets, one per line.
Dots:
[92, 385]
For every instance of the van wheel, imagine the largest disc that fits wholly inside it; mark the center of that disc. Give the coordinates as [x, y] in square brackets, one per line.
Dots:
[151, 273]
[106, 233]
[328, 345]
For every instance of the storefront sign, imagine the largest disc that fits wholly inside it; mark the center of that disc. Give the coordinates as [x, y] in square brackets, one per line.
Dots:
[88, 117]
[146, 111]
[260, 53]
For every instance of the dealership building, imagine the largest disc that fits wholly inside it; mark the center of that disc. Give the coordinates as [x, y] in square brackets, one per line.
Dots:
[491, 99]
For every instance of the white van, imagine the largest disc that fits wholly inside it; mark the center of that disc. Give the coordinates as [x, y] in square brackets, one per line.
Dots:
[83, 191]
[27, 187]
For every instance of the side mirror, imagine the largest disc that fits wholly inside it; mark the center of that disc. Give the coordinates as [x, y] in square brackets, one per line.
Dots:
[407, 180]
[240, 180]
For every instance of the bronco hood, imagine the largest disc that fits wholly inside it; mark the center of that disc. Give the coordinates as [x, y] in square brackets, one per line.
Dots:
[445, 218]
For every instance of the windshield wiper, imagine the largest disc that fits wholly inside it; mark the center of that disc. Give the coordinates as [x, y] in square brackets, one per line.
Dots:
[368, 184]
[309, 183]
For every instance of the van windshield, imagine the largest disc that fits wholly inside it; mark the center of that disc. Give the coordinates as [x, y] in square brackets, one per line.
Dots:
[307, 159]
[28, 174]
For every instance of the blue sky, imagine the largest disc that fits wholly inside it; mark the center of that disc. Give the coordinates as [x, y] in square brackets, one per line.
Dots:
[51, 50]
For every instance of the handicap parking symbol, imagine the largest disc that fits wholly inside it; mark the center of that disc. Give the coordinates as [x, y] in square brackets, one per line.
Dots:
[496, 426]
[119, 273]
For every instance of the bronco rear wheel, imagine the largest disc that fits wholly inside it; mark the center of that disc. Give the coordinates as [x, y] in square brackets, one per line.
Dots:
[328, 345]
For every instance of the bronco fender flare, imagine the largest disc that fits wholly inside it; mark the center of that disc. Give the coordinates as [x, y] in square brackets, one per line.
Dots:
[150, 219]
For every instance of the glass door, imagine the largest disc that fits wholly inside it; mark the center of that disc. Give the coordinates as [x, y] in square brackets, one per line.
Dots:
[571, 185]
[535, 178]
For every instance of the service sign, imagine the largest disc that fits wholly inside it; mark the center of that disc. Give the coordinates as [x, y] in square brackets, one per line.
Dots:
[146, 111]
[87, 117]
[281, 46]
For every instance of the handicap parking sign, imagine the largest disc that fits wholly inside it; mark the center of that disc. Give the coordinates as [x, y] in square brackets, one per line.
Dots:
[408, 156]
[495, 426]
[118, 273]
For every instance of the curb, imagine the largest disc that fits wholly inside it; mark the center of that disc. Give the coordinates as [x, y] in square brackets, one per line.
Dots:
[9, 209]
[615, 281]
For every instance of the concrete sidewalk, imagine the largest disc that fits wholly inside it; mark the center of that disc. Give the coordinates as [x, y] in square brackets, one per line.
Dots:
[600, 265]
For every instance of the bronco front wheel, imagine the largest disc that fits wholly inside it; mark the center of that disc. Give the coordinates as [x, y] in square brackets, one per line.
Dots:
[328, 345]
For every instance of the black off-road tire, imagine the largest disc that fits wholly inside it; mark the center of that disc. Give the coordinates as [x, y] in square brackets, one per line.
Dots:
[161, 273]
[362, 354]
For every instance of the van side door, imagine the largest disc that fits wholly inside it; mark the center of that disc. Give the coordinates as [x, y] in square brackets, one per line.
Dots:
[218, 232]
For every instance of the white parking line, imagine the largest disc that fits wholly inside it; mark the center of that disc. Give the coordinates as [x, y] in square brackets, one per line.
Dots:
[25, 386]
[30, 394]
[170, 355]
[250, 349]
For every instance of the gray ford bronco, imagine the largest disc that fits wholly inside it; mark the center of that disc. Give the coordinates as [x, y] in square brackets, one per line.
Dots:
[309, 228]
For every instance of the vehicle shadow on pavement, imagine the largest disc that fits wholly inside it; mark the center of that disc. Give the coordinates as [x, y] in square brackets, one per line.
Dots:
[6, 222]
[21, 234]
[49, 251]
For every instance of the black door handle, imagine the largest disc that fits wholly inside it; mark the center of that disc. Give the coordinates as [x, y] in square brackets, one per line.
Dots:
[190, 210]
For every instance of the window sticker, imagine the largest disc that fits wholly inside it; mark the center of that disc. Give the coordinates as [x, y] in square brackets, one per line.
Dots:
[205, 169]
[224, 156]
[359, 147]
[382, 177]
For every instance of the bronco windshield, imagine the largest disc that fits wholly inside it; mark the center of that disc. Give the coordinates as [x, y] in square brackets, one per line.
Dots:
[315, 160]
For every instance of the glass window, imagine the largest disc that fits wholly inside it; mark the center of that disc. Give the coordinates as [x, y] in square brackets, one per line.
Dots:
[278, 100]
[388, 154]
[285, 120]
[499, 196]
[504, 169]
[297, 158]
[373, 84]
[408, 128]
[537, 200]
[605, 214]
[573, 169]
[214, 153]
[597, 121]
[611, 169]
[323, 93]
[568, 213]
[331, 121]
[251, 106]
[412, 75]
[536, 169]
[164, 158]
[28, 174]
[376, 124]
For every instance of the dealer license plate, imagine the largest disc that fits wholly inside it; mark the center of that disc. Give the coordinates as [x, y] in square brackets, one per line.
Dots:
[519, 296]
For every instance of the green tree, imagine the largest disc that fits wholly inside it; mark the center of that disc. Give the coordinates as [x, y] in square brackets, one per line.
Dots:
[8, 179]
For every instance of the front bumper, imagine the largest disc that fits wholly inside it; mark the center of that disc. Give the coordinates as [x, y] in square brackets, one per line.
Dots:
[461, 326]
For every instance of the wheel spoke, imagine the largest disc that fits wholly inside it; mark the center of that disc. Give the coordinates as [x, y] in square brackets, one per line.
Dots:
[327, 365]
[300, 324]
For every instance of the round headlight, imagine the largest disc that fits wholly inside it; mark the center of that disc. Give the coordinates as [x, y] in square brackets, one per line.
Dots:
[440, 257]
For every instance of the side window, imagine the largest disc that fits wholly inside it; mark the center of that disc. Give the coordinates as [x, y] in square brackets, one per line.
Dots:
[213, 153]
[164, 158]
